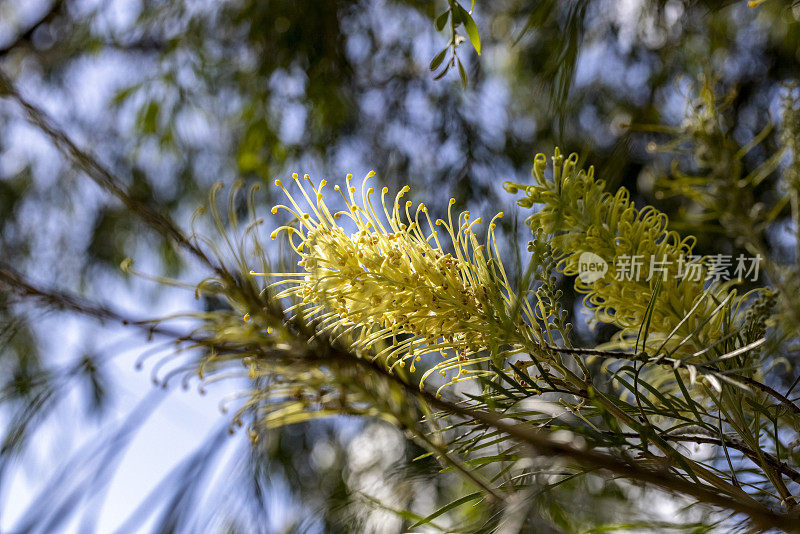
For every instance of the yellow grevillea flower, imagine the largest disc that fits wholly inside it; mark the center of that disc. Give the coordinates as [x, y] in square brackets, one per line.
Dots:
[680, 311]
[400, 285]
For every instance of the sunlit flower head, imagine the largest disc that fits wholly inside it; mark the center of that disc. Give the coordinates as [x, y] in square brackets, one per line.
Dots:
[401, 285]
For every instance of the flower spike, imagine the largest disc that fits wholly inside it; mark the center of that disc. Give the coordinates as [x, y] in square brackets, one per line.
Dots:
[392, 288]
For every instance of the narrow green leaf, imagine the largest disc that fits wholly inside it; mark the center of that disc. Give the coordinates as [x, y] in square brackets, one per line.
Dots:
[508, 379]
[405, 514]
[462, 73]
[447, 507]
[485, 460]
[441, 20]
[438, 59]
[471, 28]
[644, 328]
[421, 456]
[147, 119]
[501, 390]
[457, 16]
[122, 95]
[441, 74]
[687, 397]
[523, 374]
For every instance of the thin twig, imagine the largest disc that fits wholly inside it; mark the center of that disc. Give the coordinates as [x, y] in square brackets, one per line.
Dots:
[537, 441]
[678, 364]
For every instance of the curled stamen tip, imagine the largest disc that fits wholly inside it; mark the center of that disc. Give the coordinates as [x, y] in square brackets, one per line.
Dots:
[352, 189]
[452, 201]
[500, 215]
[274, 210]
[336, 187]
[408, 203]
[307, 176]
[370, 190]
[370, 174]
[279, 183]
[323, 183]
[306, 216]
[439, 221]
[246, 315]
[295, 175]
[274, 235]
[384, 190]
[348, 177]
[405, 189]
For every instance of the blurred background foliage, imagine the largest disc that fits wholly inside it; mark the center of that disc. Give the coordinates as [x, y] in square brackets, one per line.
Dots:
[175, 95]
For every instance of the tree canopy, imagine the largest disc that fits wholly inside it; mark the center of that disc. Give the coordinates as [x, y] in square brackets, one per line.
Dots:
[426, 366]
